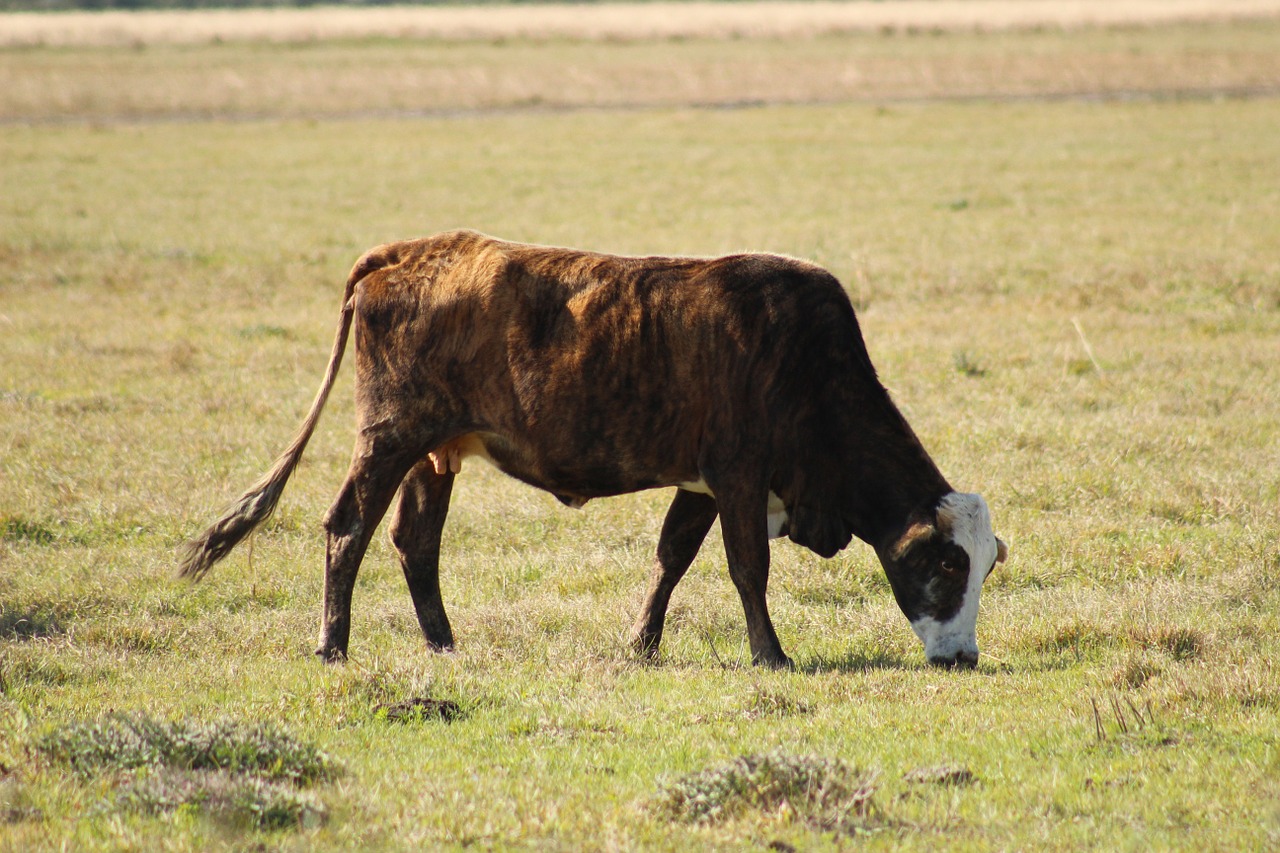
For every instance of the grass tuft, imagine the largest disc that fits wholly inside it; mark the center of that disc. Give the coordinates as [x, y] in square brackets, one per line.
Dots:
[967, 365]
[953, 775]
[17, 529]
[121, 742]
[1077, 638]
[769, 703]
[1136, 672]
[246, 801]
[824, 793]
[1180, 643]
[29, 623]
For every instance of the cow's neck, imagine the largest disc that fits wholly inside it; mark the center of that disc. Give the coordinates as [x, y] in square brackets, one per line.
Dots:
[898, 483]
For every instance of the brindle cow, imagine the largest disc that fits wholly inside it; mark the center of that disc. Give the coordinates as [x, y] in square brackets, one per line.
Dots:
[743, 381]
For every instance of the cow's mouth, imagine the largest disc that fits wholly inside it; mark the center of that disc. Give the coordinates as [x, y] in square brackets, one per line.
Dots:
[960, 660]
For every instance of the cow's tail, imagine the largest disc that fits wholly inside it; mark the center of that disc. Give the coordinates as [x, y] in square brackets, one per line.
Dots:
[256, 505]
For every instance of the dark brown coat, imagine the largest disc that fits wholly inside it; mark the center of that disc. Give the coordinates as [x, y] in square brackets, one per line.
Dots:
[591, 375]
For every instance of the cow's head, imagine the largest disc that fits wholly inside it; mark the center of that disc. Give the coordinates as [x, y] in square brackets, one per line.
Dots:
[936, 568]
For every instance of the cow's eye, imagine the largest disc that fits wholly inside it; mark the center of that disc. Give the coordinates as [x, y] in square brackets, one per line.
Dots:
[950, 567]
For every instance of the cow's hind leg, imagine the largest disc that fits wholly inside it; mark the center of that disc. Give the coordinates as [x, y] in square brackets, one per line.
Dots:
[415, 532]
[743, 512]
[688, 520]
[375, 473]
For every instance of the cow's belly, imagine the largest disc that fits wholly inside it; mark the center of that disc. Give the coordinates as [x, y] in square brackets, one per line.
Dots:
[451, 455]
[573, 481]
[776, 510]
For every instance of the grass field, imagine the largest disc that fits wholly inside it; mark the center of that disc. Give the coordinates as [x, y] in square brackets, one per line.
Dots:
[1076, 303]
[378, 77]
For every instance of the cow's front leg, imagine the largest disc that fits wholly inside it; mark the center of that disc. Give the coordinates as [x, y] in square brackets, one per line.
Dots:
[743, 522]
[416, 531]
[363, 500]
[688, 520]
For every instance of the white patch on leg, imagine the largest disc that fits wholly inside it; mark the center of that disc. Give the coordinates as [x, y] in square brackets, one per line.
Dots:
[777, 511]
[970, 523]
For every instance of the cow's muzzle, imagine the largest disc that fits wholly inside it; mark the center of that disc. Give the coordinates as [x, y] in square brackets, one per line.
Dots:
[960, 660]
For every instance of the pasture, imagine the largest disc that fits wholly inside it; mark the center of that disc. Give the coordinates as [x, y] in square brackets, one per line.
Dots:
[1075, 301]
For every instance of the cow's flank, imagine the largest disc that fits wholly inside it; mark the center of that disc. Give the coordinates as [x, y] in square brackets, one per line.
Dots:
[743, 381]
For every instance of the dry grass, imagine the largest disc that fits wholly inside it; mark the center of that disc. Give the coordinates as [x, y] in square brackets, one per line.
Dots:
[606, 21]
[372, 78]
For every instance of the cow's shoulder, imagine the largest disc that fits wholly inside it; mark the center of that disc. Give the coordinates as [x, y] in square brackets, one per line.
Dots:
[776, 279]
[775, 299]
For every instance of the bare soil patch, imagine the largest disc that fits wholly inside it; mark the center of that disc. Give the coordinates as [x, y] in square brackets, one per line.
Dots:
[420, 708]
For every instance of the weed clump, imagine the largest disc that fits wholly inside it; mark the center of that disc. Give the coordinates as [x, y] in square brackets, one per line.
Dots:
[1136, 672]
[1181, 644]
[236, 799]
[127, 742]
[766, 703]
[1077, 639]
[823, 792]
[245, 775]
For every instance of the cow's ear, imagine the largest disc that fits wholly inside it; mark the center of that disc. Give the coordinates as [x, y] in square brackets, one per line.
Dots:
[1002, 550]
[915, 535]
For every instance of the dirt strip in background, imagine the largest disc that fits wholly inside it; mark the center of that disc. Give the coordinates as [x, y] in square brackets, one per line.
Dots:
[608, 21]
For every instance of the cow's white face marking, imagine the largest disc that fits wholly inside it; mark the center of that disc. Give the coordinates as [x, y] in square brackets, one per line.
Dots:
[970, 523]
[777, 512]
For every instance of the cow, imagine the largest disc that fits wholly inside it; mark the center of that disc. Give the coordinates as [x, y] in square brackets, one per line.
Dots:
[743, 381]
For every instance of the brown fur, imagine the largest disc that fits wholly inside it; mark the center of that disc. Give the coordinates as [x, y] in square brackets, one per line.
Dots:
[591, 375]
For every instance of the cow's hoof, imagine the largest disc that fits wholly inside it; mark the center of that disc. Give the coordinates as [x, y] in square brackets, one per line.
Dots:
[331, 655]
[645, 646]
[779, 661]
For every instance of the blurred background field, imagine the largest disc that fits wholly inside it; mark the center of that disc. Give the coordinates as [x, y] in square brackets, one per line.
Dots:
[201, 65]
[1062, 244]
[131, 23]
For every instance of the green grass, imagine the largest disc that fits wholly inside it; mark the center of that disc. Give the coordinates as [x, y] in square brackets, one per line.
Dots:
[167, 299]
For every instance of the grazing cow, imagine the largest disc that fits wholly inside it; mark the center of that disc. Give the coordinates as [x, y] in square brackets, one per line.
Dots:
[743, 381]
